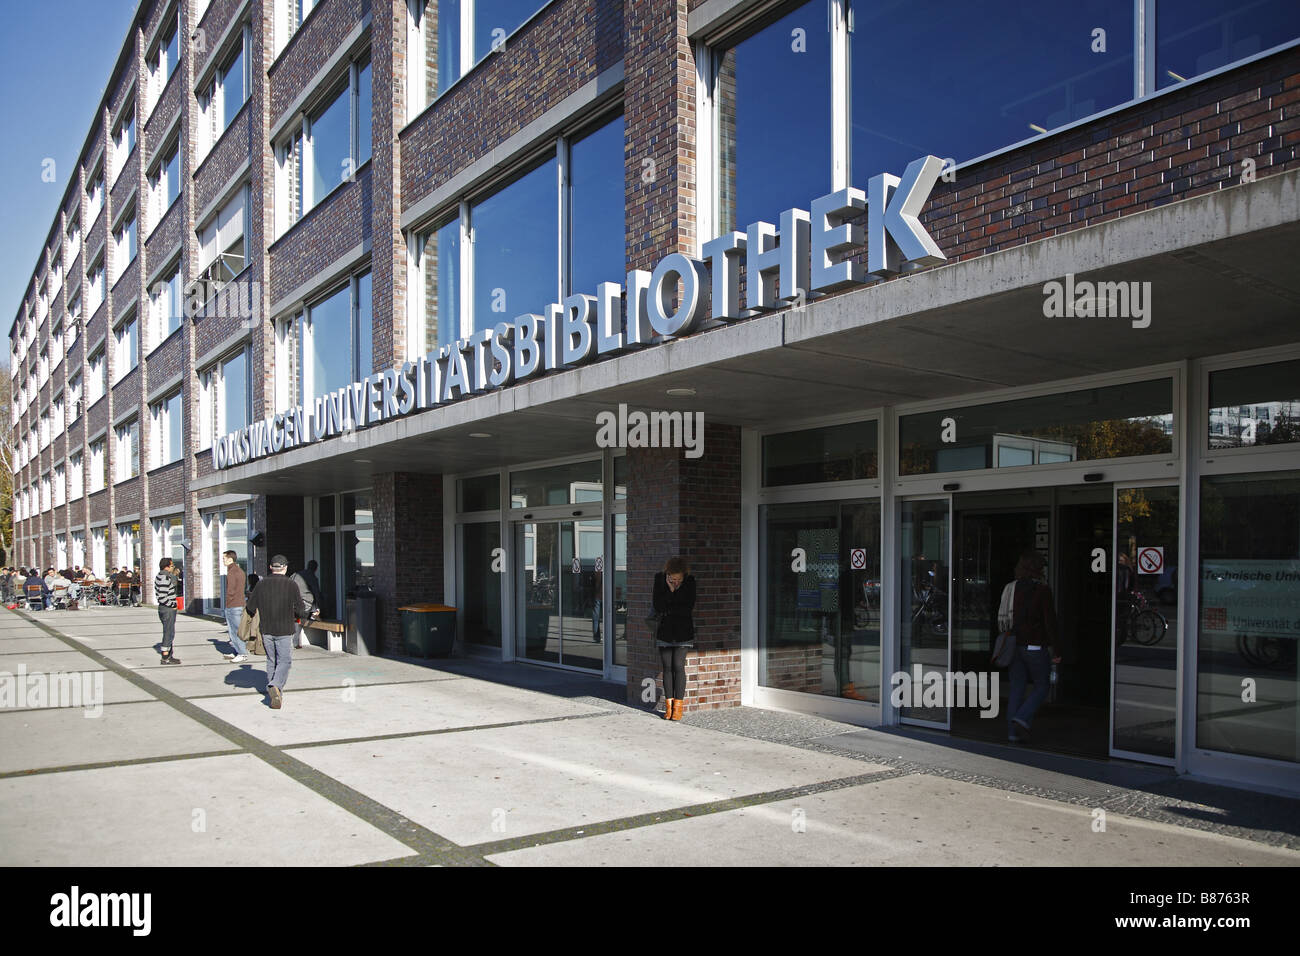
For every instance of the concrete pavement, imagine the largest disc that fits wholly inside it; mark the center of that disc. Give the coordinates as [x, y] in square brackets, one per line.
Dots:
[466, 762]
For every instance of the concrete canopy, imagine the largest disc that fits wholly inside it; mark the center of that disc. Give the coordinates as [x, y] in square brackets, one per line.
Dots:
[1222, 276]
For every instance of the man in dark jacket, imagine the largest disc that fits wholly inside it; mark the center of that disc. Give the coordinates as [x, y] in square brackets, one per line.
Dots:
[278, 601]
[34, 581]
[234, 606]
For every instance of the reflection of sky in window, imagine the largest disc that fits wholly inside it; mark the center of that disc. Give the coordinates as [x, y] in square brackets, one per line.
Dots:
[502, 16]
[442, 250]
[232, 90]
[330, 361]
[1196, 36]
[783, 116]
[365, 331]
[596, 190]
[329, 143]
[448, 14]
[235, 388]
[997, 73]
[365, 107]
[515, 248]
[174, 428]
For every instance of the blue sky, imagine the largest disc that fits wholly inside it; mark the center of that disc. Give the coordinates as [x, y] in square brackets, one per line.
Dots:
[57, 56]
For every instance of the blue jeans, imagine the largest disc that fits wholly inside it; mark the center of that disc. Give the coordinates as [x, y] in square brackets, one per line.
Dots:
[168, 617]
[278, 658]
[1026, 666]
[233, 616]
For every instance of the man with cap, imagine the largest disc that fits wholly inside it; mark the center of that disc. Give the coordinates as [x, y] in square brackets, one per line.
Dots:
[278, 600]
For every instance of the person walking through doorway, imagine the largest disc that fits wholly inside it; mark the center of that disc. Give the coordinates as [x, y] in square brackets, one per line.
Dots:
[674, 600]
[1033, 620]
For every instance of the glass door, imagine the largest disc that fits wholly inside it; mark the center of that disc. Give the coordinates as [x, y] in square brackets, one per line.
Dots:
[925, 542]
[558, 591]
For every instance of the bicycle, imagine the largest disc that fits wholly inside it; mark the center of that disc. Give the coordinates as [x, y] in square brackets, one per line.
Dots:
[1143, 624]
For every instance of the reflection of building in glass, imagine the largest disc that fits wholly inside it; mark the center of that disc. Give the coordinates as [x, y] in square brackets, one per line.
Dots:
[1267, 423]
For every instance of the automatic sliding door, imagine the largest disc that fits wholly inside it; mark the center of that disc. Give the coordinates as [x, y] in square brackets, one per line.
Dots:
[924, 560]
[537, 632]
[559, 592]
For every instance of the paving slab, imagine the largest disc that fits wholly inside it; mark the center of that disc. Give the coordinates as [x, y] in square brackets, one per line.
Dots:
[230, 810]
[65, 660]
[62, 737]
[361, 711]
[35, 644]
[115, 689]
[221, 678]
[486, 785]
[916, 820]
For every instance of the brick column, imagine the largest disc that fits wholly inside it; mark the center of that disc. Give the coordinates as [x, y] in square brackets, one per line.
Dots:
[408, 548]
[688, 507]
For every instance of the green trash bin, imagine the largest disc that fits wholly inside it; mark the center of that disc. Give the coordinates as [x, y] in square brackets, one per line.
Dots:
[428, 630]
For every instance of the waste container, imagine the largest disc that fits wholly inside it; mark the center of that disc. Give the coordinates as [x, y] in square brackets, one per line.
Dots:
[360, 635]
[428, 630]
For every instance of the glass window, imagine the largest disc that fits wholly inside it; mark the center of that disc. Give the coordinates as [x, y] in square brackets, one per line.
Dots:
[357, 508]
[556, 485]
[821, 626]
[327, 366]
[175, 419]
[1256, 405]
[596, 189]
[490, 22]
[516, 252]
[232, 87]
[479, 494]
[1197, 36]
[494, 20]
[330, 155]
[836, 453]
[171, 48]
[234, 389]
[1038, 67]
[171, 177]
[365, 109]
[480, 599]
[365, 328]
[782, 71]
[1249, 615]
[439, 252]
[1116, 421]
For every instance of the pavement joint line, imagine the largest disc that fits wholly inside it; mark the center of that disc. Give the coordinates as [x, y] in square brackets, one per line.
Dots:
[109, 764]
[568, 834]
[386, 820]
[401, 735]
[1120, 801]
[302, 690]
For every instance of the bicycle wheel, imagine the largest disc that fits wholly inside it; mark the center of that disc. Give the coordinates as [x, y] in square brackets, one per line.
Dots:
[1149, 627]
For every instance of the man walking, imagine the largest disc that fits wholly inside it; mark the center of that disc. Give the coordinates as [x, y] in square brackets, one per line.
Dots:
[234, 606]
[164, 589]
[278, 601]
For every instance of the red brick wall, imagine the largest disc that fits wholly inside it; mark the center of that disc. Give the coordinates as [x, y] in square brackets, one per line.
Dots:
[688, 507]
[408, 548]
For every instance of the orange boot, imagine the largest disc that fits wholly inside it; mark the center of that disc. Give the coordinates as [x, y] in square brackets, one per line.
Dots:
[677, 708]
[668, 708]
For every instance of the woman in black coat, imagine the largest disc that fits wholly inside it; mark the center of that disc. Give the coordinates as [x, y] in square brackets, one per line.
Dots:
[674, 598]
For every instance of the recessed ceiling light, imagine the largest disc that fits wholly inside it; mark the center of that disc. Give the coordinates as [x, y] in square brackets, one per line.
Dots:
[362, 461]
[682, 392]
[480, 434]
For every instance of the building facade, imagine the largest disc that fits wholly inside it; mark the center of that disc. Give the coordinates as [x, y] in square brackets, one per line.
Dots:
[501, 303]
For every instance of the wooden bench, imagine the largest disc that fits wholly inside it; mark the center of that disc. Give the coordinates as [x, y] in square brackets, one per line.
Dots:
[333, 632]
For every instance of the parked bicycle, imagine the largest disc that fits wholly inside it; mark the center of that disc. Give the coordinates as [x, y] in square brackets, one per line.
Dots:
[1139, 623]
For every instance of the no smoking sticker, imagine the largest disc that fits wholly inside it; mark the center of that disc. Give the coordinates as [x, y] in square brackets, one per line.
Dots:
[600, 563]
[859, 558]
[1151, 560]
[577, 566]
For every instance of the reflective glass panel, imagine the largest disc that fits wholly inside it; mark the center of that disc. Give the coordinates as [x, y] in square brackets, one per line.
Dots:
[996, 73]
[556, 485]
[1249, 616]
[1196, 36]
[836, 453]
[516, 251]
[1257, 405]
[596, 193]
[1116, 421]
[773, 90]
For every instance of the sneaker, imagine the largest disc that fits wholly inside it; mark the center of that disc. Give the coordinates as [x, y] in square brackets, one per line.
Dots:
[170, 659]
[276, 697]
[236, 658]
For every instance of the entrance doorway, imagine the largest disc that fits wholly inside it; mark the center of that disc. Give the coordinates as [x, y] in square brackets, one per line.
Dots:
[558, 593]
[1066, 525]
